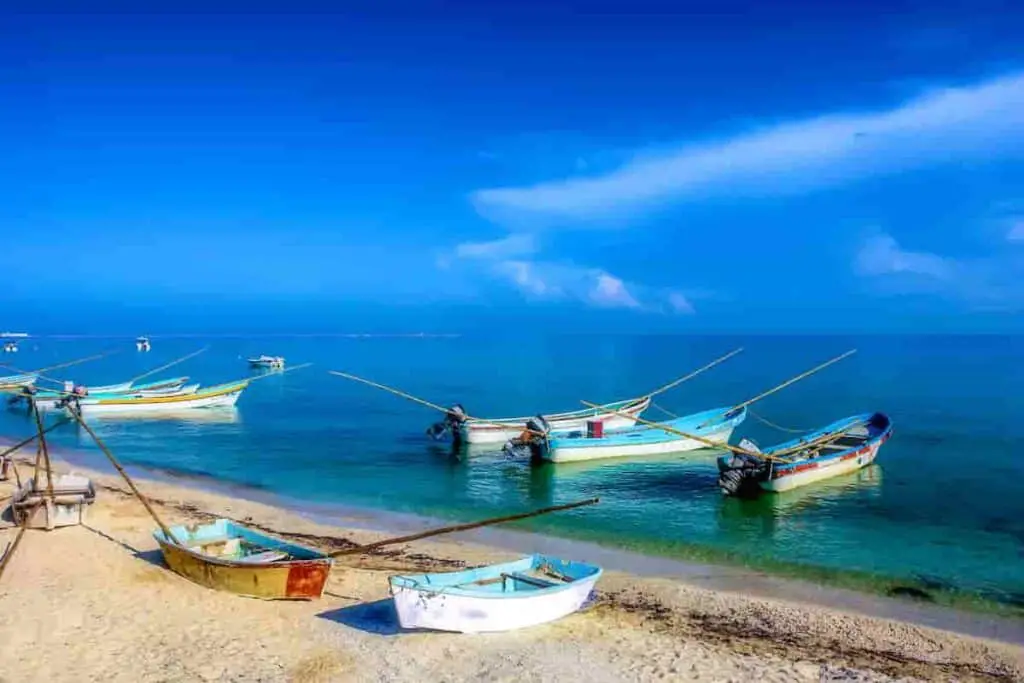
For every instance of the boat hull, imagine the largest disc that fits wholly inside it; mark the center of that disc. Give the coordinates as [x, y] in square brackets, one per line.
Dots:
[215, 398]
[443, 608]
[812, 472]
[651, 441]
[501, 431]
[299, 579]
[47, 403]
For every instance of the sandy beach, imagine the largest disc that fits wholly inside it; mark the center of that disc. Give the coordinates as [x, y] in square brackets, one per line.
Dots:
[96, 603]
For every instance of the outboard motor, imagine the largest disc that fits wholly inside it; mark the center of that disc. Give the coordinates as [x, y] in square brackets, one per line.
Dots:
[451, 423]
[532, 442]
[739, 474]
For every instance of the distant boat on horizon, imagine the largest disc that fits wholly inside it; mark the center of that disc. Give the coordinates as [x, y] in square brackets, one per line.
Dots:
[142, 344]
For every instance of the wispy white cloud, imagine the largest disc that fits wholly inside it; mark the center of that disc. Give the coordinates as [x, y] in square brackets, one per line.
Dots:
[880, 254]
[981, 119]
[1016, 231]
[612, 292]
[516, 244]
[990, 282]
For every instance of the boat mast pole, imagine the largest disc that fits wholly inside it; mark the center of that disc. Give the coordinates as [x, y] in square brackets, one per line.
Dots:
[113, 461]
[169, 365]
[58, 366]
[686, 378]
[796, 379]
[361, 549]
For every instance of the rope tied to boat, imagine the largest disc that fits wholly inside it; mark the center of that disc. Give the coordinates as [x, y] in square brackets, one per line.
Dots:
[667, 412]
[768, 422]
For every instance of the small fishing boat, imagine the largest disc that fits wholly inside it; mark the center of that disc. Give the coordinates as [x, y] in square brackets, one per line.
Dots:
[172, 383]
[472, 430]
[272, 362]
[226, 556]
[500, 597]
[715, 426]
[142, 344]
[842, 447]
[10, 347]
[17, 381]
[210, 397]
[52, 400]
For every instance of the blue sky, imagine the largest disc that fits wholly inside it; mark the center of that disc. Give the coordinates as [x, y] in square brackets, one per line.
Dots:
[663, 166]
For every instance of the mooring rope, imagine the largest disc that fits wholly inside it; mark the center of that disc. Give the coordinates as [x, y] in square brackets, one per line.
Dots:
[667, 412]
[776, 426]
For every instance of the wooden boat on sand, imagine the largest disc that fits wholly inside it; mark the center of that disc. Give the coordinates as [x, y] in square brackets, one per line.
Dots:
[210, 397]
[714, 426]
[842, 447]
[226, 556]
[471, 430]
[501, 597]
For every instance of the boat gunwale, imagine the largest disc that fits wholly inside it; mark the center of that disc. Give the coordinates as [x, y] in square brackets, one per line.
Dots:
[617, 437]
[324, 558]
[829, 459]
[624, 406]
[211, 392]
[407, 581]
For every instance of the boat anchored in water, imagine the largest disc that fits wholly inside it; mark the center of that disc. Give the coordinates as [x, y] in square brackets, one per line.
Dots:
[842, 447]
[269, 362]
[142, 344]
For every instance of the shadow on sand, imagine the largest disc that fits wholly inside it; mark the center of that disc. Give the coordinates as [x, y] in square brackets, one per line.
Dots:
[378, 618]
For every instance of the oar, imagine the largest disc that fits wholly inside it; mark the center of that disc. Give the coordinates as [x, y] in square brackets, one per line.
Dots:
[359, 550]
[675, 383]
[113, 461]
[169, 365]
[685, 435]
[423, 402]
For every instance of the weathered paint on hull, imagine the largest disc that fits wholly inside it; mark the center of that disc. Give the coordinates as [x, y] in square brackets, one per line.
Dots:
[295, 580]
[501, 431]
[559, 455]
[815, 472]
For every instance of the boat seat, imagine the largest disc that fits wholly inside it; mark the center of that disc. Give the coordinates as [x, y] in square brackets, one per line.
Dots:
[265, 556]
[532, 580]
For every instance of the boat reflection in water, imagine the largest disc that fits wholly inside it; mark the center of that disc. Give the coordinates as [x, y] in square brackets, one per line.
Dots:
[216, 415]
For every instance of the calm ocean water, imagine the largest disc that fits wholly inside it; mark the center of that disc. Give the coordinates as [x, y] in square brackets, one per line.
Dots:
[943, 507]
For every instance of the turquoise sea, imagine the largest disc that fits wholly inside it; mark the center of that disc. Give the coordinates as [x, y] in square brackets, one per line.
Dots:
[943, 510]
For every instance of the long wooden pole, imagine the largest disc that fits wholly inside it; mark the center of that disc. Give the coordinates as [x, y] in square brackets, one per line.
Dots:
[113, 461]
[24, 442]
[45, 449]
[358, 550]
[686, 378]
[796, 379]
[277, 373]
[9, 553]
[421, 401]
[169, 365]
[59, 366]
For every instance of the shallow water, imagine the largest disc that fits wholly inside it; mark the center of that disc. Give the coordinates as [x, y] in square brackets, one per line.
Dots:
[942, 507]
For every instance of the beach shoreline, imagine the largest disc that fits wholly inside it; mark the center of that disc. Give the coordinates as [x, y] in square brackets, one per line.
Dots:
[771, 623]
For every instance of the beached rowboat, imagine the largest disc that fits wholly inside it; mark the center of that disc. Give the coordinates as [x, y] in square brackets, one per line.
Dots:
[501, 597]
[499, 431]
[216, 396]
[712, 425]
[229, 557]
[840, 448]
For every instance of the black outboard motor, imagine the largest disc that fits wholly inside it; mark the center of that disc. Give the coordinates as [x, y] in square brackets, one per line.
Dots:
[739, 474]
[532, 442]
[451, 423]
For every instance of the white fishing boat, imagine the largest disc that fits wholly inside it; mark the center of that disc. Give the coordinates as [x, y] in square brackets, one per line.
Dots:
[142, 344]
[269, 362]
[471, 430]
[715, 426]
[131, 385]
[56, 400]
[10, 347]
[502, 597]
[17, 381]
[842, 447]
[210, 397]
